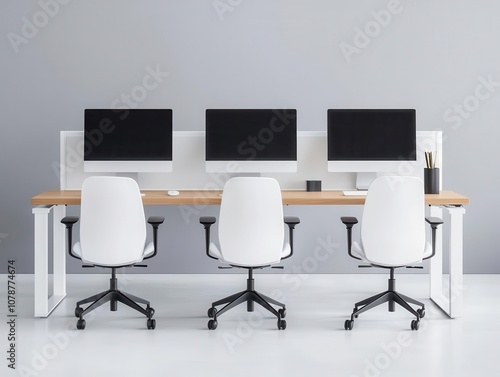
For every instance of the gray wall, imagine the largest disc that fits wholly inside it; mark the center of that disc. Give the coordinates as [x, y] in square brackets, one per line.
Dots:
[59, 57]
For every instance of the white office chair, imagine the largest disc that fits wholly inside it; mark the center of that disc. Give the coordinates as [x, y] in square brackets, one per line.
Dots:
[251, 236]
[112, 235]
[392, 236]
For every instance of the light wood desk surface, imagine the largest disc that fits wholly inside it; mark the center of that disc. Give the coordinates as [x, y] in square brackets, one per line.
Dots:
[202, 197]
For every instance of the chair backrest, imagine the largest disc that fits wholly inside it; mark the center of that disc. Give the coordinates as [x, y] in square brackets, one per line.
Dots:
[393, 225]
[251, 227]
[112, 221]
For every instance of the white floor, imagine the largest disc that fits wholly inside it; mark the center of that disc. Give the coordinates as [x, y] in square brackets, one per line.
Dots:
[249, 344]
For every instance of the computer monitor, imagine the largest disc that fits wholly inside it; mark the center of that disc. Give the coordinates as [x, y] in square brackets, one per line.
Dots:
[251, 140]
[128, 140]
[370, 140]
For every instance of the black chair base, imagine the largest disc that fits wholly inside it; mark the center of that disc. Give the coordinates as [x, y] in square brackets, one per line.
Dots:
[391, 297]
[113, 296]
[250, 296]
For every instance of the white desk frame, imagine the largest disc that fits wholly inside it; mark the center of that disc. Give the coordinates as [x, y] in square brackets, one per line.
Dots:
[449, 297]
[45, 301]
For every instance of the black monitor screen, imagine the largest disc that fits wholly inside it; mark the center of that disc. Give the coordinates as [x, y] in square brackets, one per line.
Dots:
[251, 134]
[364, 135]
[128, 135]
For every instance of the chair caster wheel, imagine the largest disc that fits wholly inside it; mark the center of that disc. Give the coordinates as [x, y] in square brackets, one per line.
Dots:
[282, 313]
[281, 324]
[78, 311]
[151, 312]
[421, 313]
[415, 324]
[80, 324]
[348, 324]
[151, 324]
[212, 324]
[212, 312]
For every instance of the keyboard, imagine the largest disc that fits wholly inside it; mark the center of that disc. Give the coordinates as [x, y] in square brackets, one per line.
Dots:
[355, 192]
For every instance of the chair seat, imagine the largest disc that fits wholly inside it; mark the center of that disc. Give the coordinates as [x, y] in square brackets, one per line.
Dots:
[358, 251]
[148, 250]
[216, 253]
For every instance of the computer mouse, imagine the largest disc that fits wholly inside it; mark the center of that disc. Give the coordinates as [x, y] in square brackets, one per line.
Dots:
[172, 192]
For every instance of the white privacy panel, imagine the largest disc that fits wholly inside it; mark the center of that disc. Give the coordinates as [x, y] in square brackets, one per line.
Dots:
[189, 163]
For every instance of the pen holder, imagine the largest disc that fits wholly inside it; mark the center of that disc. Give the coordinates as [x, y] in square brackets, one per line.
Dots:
[431, 181]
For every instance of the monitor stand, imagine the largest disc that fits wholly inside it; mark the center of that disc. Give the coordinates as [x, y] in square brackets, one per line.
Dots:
[232, 175]
[364, 179]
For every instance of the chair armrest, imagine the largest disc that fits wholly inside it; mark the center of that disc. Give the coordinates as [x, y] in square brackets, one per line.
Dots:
[207, 222]
[349, 222]
[291, 221]
[69, 221]
[434, 223]
[155, 222]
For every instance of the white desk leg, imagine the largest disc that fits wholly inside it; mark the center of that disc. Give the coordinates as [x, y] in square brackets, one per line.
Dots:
[436, 263]
[59, 251]
[44, 304]
[456, 261]
[41, 277]
[452, 302]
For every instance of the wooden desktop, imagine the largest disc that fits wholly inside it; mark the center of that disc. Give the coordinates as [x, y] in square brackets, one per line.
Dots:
[213, 197]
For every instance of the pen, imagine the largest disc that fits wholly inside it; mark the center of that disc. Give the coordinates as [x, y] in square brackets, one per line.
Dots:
[430, 161]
